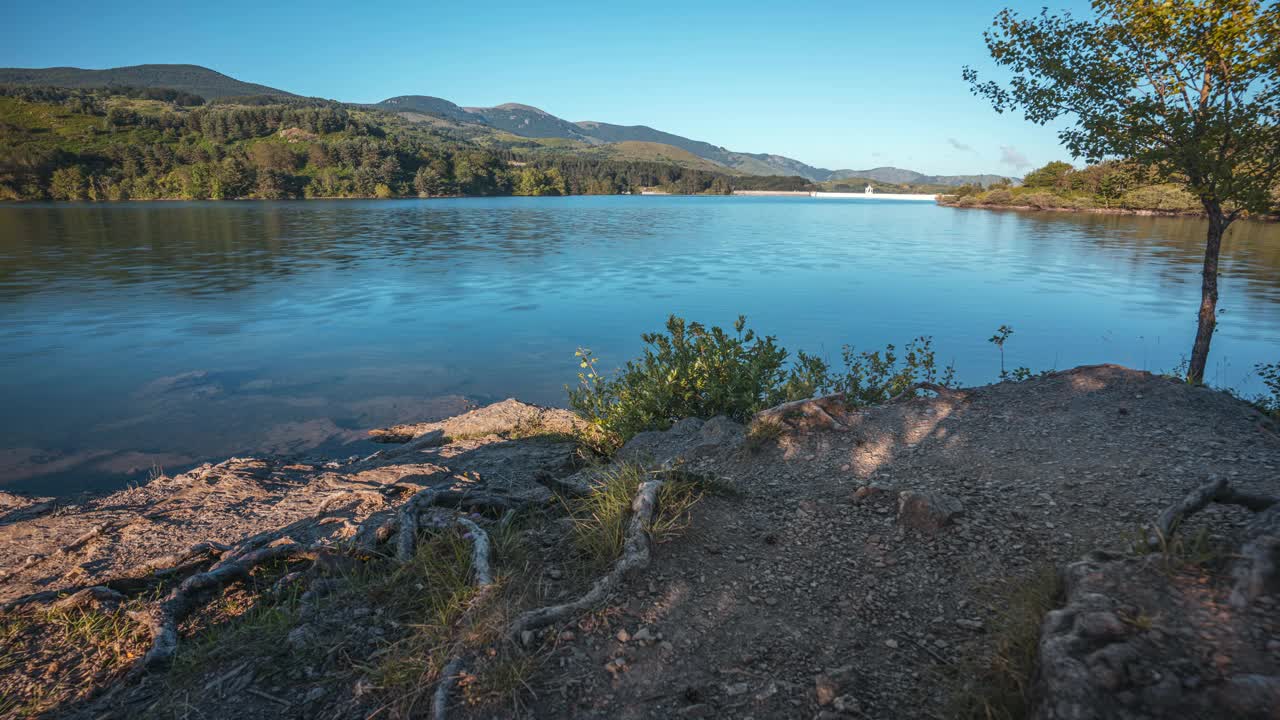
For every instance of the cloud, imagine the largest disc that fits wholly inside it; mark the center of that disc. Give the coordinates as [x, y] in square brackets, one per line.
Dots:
[1010, 156]
[958, 145]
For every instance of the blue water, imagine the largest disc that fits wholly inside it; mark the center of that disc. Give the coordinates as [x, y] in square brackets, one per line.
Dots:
[139, 337]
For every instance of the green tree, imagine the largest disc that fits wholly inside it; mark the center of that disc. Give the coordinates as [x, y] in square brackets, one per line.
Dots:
[69, 183]
[1187, 88]
[1053, 175]
[434, 178]
[536, 181]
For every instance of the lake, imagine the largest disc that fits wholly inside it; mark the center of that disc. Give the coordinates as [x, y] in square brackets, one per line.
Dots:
[146, 337]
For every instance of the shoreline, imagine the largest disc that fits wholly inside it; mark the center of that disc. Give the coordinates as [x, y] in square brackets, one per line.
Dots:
[870, 519]
[1138, 212]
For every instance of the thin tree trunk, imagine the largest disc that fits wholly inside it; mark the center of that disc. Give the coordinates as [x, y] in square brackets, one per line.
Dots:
[1208, 293]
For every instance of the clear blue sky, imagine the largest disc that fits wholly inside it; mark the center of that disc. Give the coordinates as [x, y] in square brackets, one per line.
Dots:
[835, 84]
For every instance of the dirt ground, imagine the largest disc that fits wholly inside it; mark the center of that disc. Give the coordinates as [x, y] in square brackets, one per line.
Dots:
[800, 591]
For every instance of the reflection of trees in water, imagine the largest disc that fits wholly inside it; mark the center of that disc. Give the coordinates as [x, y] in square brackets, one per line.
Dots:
[1169, 249]
[197, 249]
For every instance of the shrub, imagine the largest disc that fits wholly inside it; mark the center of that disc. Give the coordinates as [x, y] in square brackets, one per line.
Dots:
[689, 371]
[1043, 201]
[695, 371]
[999, 196]
[871, 378]
[1160, 197]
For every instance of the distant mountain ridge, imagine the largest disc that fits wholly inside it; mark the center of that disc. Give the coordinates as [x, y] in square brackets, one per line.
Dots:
[202, 81]
[532, 122]
[513, 118]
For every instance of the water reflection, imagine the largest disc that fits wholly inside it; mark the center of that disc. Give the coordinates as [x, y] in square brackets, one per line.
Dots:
[292, 327]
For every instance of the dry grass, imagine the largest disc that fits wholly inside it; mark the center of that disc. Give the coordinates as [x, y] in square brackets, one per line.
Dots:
[998, 686]
[600, 519]
[49, 657]
[761, 434]
[430, 606]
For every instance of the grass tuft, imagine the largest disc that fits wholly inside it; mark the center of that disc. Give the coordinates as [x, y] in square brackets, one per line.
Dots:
[760, 434]
[600, 519]
[998, 688]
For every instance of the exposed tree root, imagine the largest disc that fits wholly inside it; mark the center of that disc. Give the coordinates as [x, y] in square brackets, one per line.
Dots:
[484, 579]
[1218, 490]
[407, 541]
[635, 556]
[1254, 567]
[833, 412]
[825, 412]
[163, 620]
[448, 678]
[479, 552]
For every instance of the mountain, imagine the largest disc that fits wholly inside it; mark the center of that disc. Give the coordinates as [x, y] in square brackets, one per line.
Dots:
[202, 81]
[511, 118]
[898, 176]
[529, 121]
[427, 105]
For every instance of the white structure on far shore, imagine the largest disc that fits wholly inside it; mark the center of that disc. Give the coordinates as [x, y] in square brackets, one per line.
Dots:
[869, 190]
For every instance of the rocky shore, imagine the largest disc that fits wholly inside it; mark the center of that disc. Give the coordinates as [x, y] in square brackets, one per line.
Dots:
[857, 564]
[954, 202]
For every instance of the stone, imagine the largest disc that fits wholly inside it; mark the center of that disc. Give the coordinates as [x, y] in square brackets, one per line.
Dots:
[927, 511]
[299, 637]
[685, 441]
[825, 688]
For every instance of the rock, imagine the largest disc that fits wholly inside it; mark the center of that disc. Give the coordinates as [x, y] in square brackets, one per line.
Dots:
[508, 416]
[687, 440]
[643, 635]
[926, 511]
[1256, 570]
[299, 637]
[1098, 657]
[847, 704]
[1250, 697]
[736, 689]
[623, 635]
[826, 689]
[315, 694]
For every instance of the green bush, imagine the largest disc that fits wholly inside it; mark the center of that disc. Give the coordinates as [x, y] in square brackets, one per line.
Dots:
[695, 371]
[689, 371]
[1043, 201]
[999, 196]
[871, 378]
[1160, 197]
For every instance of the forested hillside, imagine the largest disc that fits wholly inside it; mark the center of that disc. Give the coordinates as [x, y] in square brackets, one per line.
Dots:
[187, 78]
[1111, 185]
[149, 143]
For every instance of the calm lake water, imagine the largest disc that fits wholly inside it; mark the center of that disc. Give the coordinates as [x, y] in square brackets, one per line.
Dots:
[156, 335]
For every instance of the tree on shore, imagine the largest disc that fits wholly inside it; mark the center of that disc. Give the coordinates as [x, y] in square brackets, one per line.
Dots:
[1188, 88]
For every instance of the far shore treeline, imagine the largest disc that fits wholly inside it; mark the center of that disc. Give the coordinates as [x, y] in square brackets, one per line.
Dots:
[150, 144]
